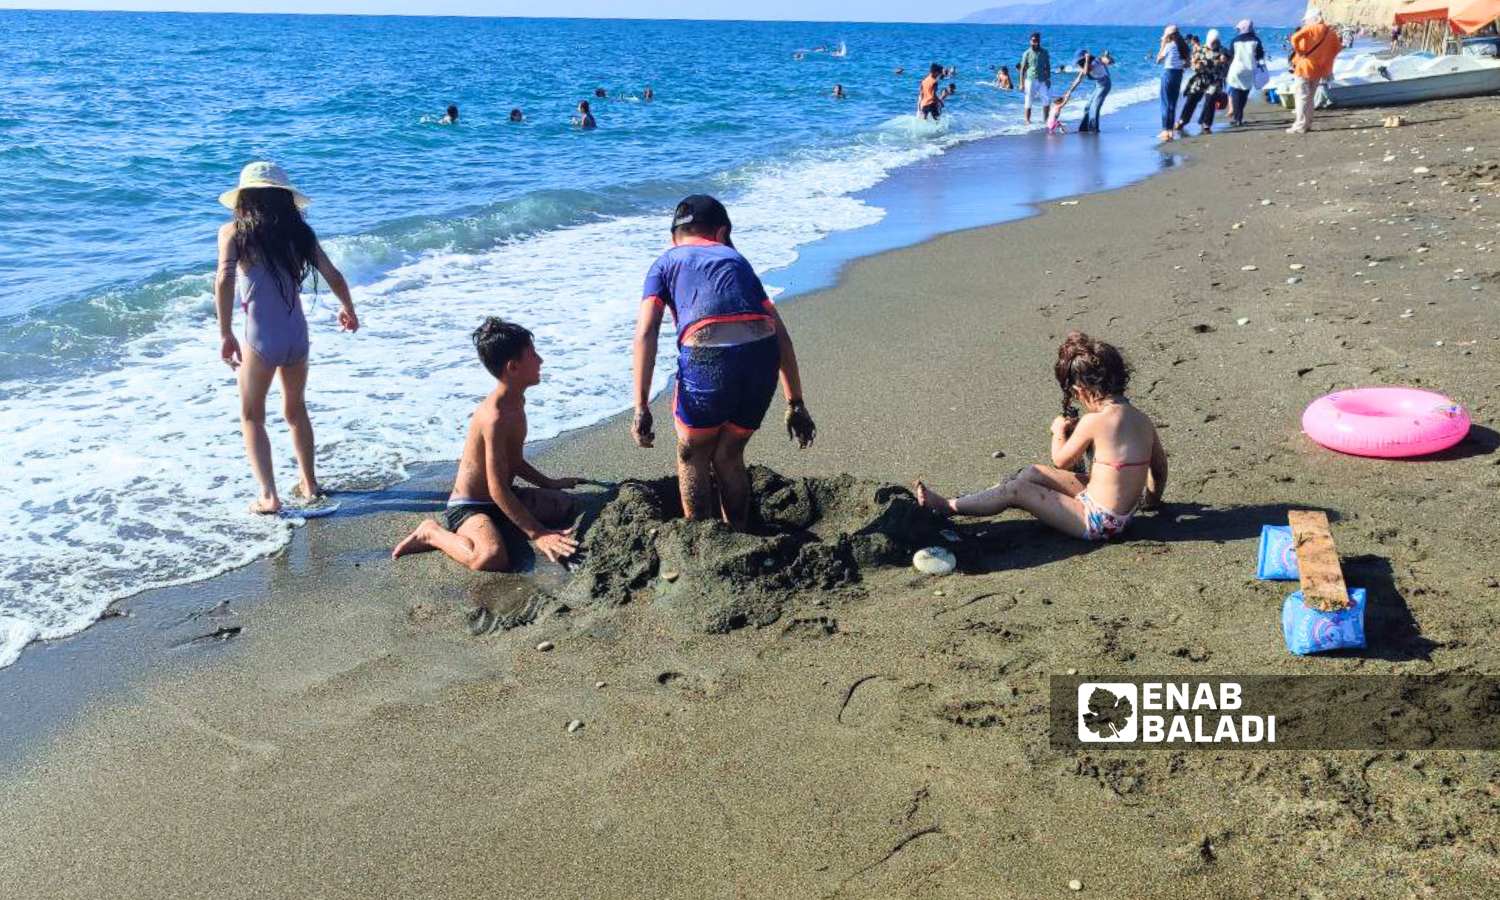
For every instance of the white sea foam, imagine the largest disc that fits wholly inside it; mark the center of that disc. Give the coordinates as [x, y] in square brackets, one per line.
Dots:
[135, 478]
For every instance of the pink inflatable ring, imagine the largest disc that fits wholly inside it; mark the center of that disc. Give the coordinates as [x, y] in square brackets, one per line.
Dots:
[1386, 422]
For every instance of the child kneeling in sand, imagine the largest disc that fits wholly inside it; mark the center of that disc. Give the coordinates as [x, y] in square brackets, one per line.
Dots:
[1130, 466]
[484, 503]
[732, 348]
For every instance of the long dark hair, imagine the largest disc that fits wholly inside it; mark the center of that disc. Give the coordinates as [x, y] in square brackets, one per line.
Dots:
[270, 230]
[1096, 367]
[1182, 45]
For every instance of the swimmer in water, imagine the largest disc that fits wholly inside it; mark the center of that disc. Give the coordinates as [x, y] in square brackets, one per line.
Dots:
[1002, 79]
[949, 91]
[648, 95]
[516, 116]
[600, 93]
[451, 117]
[929, 104]
[900, 70]
[838, 92]
[585, 118]
[732, 350]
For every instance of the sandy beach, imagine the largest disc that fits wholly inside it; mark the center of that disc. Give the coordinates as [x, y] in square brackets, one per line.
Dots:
[854, 729]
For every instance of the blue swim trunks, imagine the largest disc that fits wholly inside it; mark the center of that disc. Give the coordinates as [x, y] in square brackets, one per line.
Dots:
[726, 386]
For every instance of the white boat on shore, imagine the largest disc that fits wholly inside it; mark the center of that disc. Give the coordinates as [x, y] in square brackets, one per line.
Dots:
[1471, 83]
[1413, 79]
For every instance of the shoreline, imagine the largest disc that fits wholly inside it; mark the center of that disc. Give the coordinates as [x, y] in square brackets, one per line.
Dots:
[354, 704]
[1129, 154]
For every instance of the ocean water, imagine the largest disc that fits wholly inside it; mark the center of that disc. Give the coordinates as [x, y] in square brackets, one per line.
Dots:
[119, 429]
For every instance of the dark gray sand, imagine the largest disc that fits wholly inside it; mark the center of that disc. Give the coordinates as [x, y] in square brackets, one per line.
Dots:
[832, 725]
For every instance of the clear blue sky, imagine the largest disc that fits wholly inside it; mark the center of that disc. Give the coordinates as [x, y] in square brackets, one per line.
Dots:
[829, 10]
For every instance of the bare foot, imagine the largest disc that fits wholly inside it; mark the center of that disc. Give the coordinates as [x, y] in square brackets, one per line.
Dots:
[934, 501]
[419, 541]
[266, 506]
[305, 491]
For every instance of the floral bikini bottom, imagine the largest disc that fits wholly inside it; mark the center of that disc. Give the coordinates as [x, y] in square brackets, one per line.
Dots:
[1100, 524]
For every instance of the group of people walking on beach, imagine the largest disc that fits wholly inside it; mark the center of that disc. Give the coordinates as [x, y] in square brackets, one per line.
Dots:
[733, 351]
[1206, 75]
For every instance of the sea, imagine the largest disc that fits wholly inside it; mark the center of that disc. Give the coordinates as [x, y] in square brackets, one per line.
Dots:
[123, 464]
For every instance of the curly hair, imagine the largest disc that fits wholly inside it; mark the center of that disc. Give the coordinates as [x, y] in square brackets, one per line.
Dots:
[1091, 366]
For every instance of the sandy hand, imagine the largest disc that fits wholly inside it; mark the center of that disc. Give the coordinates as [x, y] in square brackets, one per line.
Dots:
[556, 545]
[229, 351]
[642, 430]
[799, 424]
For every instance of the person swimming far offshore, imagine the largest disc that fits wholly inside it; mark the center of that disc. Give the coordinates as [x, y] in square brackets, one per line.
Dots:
[732, 349]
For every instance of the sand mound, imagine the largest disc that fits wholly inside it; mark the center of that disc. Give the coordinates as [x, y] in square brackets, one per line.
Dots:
[806, 534]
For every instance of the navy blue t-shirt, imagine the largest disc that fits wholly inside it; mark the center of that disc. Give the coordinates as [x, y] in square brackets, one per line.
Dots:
[704, 283]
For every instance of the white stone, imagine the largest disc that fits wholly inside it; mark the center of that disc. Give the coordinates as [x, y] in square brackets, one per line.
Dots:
[1420, 170]
[1242, 321]
[1296, 267]
[575, 725]
[544, 646]
[934, 561]
[1248, 268]
[1075, 885]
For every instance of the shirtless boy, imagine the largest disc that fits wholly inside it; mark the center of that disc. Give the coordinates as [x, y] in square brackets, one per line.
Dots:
[484, 503]
[929, 105]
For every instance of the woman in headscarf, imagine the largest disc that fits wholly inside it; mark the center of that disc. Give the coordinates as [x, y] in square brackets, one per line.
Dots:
[1210, 63]
[1247, 58]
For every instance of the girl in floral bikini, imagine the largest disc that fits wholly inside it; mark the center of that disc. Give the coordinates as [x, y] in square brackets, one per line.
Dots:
[1129, 473]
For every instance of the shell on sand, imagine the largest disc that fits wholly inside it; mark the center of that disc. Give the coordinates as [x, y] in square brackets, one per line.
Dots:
[934, 561]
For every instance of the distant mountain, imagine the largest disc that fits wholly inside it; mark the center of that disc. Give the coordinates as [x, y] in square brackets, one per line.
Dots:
[1143, 12]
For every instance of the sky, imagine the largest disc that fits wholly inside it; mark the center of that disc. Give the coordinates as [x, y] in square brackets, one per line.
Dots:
[813, 10]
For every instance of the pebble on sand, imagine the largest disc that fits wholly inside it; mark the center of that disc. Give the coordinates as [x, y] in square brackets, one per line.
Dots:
[1297, 267]
[1242, 321]
[1420, 170]
[934, 561]
[1075, 885]
[575, 725]
[1248, 268]
[544, 646]
[601, 684]
[669, 577]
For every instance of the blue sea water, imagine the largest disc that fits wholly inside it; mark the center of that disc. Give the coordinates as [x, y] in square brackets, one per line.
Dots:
[118, 423]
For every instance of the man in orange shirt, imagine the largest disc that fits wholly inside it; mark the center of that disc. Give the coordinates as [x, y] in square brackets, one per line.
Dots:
[1314, 47]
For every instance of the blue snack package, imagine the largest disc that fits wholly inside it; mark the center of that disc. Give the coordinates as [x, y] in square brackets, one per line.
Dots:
[1314, 631]
[1278, 554]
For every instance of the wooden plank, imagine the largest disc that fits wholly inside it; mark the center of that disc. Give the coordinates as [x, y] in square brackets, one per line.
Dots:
[1318, 561]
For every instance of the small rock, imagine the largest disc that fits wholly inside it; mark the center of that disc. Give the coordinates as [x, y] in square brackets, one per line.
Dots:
[1408, 314]
[1437, 343]
[1248, 268]
[1420, 170]
[1296, 267]
[670, 577]
[951, 536]
[934, 561]
[544, 646]
[1235, 227]
[1242, 321]
[1265, 203]
[575, 725]
[1072, 671]
[1294, 280]
[1075, 885]
[939, 593]
[998, 454]
[601, 684]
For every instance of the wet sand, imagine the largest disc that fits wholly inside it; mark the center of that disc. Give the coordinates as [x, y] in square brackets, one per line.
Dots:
[886, 736]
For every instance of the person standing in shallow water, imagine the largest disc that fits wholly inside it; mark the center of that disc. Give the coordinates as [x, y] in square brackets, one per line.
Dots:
[265, 253]
[732, 348]
[1172, 56]
[1036, 76]
[585, 118]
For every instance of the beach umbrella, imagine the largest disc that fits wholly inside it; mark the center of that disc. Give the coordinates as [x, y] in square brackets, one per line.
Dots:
[1469, 16]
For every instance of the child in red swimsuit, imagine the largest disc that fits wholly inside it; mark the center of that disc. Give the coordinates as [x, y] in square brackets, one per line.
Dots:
[1130, 471]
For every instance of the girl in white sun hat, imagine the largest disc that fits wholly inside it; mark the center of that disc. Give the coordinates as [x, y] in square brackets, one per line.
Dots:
[265, 253]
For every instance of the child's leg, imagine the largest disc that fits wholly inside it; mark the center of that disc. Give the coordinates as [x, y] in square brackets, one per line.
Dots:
[695, 481]
[732, 478]
[255, 382]
[293, 398]
[477, 545]
[1059, 480]
[1057, 509]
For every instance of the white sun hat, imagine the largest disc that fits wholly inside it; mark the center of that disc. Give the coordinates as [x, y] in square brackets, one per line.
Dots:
[263, 174]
